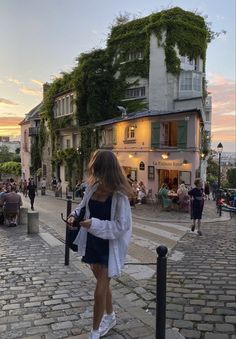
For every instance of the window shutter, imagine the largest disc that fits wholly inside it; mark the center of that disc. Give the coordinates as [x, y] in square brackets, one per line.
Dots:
[114, 135]
[155, 137]
[182, 134]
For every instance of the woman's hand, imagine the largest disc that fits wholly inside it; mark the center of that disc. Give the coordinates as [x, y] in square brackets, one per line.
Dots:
[70, 222]
[86, 223]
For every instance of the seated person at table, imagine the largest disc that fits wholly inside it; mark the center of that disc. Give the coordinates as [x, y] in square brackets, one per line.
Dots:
[163, 196]
[11, 202]
[183, 198]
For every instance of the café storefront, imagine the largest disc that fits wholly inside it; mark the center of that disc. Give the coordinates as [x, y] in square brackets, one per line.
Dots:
[173, 172]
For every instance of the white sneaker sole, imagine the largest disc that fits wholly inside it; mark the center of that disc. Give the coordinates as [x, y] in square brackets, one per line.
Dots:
[105, 331]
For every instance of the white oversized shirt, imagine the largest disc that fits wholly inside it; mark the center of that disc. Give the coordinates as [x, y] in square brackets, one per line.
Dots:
[117, 230]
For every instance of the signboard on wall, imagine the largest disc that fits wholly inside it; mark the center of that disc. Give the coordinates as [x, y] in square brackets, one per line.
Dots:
[172, 164]
[141, 166]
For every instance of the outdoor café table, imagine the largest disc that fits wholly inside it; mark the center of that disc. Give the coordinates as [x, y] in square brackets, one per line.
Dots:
[174, 198]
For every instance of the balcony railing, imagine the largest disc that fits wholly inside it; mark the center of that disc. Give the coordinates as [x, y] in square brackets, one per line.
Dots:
[33, 131]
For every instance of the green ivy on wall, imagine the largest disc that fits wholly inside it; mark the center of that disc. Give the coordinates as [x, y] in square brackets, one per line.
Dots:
[99, 79]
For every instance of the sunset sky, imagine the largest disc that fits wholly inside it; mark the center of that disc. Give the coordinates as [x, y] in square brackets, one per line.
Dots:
[39, 39]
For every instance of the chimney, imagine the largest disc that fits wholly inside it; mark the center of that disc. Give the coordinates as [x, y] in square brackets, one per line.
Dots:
[45, 88]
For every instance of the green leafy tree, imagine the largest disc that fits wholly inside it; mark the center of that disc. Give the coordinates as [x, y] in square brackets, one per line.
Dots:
[11, 167]
[231, 176]
[5, 155]
[212, 170]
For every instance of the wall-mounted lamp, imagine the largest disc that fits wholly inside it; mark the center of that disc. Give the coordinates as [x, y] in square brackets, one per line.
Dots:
[130, 156]
[185, 162]
[165, 155]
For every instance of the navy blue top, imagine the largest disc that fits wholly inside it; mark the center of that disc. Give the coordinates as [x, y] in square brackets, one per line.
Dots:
[197, 203]
[97, 249]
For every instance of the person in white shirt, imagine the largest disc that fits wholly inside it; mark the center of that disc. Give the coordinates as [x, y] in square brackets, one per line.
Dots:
[105, 233]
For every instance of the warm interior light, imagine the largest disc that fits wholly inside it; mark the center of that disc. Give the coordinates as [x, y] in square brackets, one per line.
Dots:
[130, 156]
[165, 156]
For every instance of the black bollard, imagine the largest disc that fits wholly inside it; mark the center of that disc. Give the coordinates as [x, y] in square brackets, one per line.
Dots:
[161, 292]
[67, 248]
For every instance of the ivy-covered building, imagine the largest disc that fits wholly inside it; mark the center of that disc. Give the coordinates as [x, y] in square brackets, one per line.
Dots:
[30, 143]
[154, 66]
[162, 57]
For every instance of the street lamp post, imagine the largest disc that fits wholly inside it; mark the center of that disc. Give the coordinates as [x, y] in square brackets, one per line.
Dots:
[219, 149]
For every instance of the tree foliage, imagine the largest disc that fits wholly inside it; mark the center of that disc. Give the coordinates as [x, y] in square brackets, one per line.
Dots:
[11, 167]
[231, 176]
[6, 155]
[212, 170]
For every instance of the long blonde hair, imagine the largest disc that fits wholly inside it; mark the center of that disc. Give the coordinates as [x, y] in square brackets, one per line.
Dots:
[105, 168]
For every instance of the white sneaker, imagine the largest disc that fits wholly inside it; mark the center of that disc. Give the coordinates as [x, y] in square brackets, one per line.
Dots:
[94, 335]
[107, 323]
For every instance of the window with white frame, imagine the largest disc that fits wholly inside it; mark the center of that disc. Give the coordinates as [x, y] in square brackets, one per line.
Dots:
[137, 92]
[138, 55]
[130, 132]
[190, 81]
[63, 106]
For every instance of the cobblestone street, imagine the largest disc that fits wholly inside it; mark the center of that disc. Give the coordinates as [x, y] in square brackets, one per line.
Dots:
[42, 298]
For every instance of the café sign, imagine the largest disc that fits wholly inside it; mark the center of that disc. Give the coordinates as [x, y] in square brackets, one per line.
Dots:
[169, 164]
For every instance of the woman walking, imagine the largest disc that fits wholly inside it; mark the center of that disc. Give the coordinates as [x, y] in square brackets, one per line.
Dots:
[197, 204]
[105, 233]
[31, 192]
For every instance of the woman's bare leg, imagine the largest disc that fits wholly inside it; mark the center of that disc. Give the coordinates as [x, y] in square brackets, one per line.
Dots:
[102, 294]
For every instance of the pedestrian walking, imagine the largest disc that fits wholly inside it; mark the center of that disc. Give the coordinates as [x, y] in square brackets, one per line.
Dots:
[25, 184]
[207, 190]
[105, 233]
[197, 203]
[54, 184]
[43, 186]
[31, 192]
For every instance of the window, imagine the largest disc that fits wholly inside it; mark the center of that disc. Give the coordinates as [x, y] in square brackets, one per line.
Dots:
[108, 137]
[169, 134]
[44, 170]
[151, 172]
[67, 105]
[67, 143]
[63, 106]
[130, 133]
[71, 103]
[190, 81]
[137, 92]
[135, 56]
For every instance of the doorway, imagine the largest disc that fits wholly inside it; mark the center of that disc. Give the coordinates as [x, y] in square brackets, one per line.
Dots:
[168, 177]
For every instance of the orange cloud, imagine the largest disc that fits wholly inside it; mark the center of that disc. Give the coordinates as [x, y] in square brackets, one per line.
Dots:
[37, 82]
[7, 102]
[9, 126]
[31, 91]
[223, 109]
